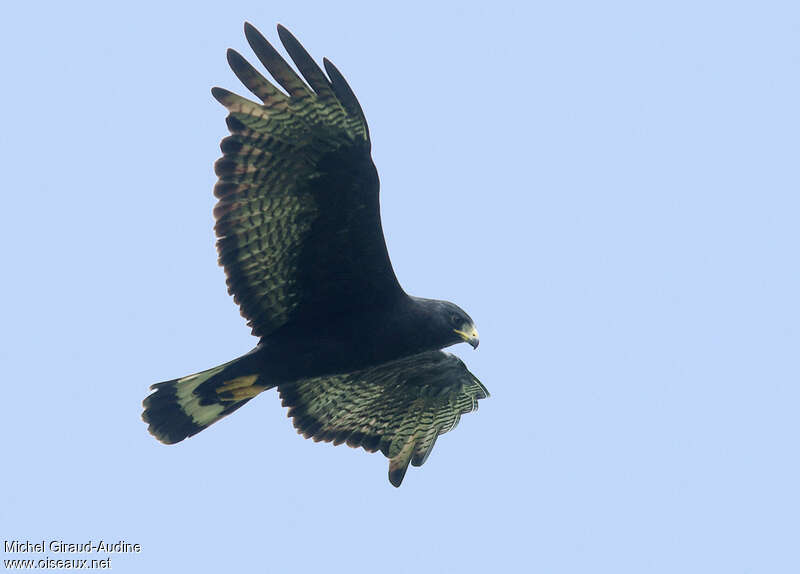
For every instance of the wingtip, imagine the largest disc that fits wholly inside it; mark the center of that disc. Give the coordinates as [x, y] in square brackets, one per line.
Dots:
[396, 480]
[219, 94]
[397, 469]
[286, 36]
[252, 34]
[328, 65]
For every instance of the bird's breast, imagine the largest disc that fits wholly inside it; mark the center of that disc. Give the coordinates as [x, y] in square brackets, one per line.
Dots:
[324, 347]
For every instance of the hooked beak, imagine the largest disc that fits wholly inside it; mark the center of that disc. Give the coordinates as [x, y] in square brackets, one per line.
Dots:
[470, 335]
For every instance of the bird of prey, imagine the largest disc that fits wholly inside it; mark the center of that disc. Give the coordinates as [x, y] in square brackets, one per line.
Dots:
[355, 358]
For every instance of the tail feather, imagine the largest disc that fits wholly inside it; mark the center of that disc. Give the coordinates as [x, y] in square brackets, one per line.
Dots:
[182, 407]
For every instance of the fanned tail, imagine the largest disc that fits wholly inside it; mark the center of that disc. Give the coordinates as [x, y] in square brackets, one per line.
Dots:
[182, 407]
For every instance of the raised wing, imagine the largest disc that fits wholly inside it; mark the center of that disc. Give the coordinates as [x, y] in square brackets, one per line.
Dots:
[399, 408]
[298, 217]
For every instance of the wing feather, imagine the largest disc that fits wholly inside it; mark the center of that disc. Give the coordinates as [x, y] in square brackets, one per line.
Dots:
[298, 218]
[305, 63]
[399, 407]
[255, 82]
[275, 64]
[347, 98]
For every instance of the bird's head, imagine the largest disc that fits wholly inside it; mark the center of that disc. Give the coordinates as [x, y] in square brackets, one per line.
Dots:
[456, 324]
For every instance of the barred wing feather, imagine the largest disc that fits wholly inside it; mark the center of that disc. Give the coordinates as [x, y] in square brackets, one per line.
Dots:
[298, 216]
[399, 408]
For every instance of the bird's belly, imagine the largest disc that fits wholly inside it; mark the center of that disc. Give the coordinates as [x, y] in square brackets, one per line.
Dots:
[302, 354]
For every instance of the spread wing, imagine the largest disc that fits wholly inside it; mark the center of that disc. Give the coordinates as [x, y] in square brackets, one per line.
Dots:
[399, 407]
[298, 218]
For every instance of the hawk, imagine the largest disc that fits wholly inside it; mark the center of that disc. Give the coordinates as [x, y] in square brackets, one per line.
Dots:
[354, 358]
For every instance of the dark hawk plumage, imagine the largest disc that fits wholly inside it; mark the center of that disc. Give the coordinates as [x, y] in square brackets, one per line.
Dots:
[354, 357]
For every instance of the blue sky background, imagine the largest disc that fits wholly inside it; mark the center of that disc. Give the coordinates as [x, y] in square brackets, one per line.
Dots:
[609, 189]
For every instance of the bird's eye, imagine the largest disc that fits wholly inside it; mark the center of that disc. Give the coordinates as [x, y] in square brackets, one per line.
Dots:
[455, 319]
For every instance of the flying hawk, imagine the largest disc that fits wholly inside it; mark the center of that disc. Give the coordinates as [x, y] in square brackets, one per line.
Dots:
[355, 358]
